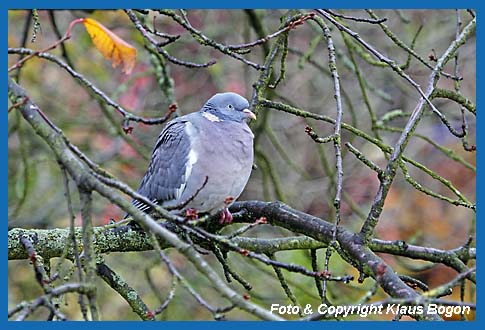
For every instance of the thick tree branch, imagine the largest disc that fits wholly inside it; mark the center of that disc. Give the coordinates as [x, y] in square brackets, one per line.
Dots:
[122, 239]
[50, 243]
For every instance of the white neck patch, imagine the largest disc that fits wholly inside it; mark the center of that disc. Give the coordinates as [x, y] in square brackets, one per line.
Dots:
[211, 117]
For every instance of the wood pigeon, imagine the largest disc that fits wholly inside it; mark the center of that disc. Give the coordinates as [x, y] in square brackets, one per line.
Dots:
[202, 161]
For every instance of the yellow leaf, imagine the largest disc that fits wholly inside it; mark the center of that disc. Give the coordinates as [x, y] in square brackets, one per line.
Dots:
[110, 45]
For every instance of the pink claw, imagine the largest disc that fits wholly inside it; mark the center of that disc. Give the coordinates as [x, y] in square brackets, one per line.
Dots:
[226, 216]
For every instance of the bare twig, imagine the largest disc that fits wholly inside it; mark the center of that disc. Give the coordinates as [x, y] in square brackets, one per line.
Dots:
[390, 171]
[72, 237]
[296, 21]
[206, 41]
[288, 266]
[356, 19]
[29, 308]
[409, 50]
[337, 142]
[66, 36]
[437, 70]
[95, 90]
[158, 45]
[88, 250]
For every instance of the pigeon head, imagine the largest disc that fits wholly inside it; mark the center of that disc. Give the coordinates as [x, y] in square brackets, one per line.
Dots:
[227, 106]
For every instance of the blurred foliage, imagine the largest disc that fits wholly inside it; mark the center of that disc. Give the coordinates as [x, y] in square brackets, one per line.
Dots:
[291, 167]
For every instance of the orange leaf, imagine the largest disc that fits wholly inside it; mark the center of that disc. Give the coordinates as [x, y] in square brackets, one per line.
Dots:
[110, 45]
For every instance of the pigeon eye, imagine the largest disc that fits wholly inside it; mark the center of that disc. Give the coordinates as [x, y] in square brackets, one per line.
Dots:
[230, 106]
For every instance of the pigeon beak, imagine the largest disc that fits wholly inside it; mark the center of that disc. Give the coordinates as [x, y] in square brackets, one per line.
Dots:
[249, 113]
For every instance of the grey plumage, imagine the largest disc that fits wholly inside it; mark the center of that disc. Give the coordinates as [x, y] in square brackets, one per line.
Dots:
[214, 145]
